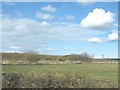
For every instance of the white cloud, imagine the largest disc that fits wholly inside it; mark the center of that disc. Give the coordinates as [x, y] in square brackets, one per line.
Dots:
[44, 16]
[98, 19]
[19, 27]
[46, 24]
[85, 2]
[70, 17]
[101, 57]
[15, 47]
[113, 36]
[95, 40]
[11, 51]
[30, 33]
[49, 8]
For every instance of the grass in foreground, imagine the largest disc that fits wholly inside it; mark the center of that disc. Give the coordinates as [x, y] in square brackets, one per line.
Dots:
[95, 71]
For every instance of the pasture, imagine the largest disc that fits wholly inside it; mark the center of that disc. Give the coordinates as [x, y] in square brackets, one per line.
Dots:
[94, 71]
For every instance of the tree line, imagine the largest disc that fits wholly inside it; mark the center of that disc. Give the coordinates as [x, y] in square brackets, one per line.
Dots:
[37, 57]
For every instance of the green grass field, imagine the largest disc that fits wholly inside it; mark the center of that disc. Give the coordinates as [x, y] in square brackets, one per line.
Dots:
[95, 71]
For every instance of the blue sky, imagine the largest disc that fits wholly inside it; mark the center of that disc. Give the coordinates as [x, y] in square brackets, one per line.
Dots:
[61, 28]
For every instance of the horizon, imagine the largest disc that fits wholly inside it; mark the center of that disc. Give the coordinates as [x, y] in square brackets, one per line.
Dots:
[54, 28]
[95, 57]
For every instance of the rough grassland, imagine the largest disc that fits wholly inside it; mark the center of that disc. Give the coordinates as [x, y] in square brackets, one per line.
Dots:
[95, 71]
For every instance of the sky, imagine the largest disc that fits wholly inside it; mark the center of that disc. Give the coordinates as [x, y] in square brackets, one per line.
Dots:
[60, 28]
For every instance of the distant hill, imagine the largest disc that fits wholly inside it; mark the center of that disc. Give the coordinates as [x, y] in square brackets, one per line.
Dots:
[35, 57]
[38, 58]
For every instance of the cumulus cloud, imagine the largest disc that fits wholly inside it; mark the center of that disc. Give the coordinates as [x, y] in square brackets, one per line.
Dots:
[46, 24]
[113, 36]
[44, 16]
[49, 8]
[98, 19]
[22, 26]
[95, 40]
[30, 33]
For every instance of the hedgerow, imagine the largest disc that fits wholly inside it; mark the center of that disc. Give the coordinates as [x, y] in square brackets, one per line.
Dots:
[51, 80]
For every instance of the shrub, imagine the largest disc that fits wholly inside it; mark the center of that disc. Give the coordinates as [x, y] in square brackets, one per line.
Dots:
[51, 80]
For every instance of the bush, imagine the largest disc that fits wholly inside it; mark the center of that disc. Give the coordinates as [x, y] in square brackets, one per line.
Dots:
[51, 80]
[37, 57]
